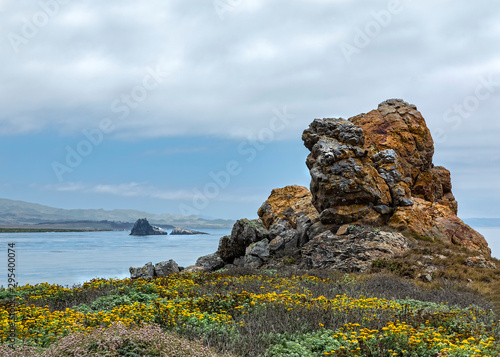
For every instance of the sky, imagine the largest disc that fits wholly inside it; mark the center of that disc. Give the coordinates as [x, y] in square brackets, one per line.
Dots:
[197, 107]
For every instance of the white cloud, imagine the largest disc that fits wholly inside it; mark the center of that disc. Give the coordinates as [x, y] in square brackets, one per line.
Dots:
[225, 77]
[143, 190]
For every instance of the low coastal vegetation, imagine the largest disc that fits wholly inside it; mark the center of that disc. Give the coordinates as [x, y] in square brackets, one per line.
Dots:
[244, 312]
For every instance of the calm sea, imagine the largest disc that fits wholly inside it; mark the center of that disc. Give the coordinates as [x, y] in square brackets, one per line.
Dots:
[492, 235]
[72, 258]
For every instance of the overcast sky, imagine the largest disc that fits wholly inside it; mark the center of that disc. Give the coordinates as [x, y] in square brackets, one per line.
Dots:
[198, 106]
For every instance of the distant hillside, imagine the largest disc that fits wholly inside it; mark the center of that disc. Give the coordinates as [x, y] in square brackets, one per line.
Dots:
[483, 222]
[14, 213]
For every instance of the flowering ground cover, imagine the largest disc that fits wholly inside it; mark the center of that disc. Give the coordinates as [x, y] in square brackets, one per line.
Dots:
[247, 313]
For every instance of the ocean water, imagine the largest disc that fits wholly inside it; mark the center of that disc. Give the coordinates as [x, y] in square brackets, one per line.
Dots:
[72, 258]
[75, 257]
[492, 235]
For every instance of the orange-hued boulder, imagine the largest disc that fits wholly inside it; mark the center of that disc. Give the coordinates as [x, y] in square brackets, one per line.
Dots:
[399, 126]
[287, 203]
[434, 185]
[436, 221]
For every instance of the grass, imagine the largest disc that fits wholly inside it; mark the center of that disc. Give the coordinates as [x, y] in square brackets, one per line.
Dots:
[244, 312]
[446, 262]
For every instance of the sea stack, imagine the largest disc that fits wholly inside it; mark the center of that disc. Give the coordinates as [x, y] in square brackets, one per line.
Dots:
[143, 228]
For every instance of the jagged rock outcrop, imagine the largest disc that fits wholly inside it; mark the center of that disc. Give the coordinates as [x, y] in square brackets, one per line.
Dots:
[374, 188]
[399, 126]
[244, 233]
[143, 228]
[184, 232]
[376, 169]
[145, 272]
[166, 268]
[351, 252]
[210, 262]
[344, 182]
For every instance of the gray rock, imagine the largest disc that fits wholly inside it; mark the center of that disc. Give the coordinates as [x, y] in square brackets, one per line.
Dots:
[239, 262]
[480, 262]
[210, 262]
[405, 202]
[431, 269]
[145, 272]
[303, 225]
[344, 180]
[194, 269]
[387, 164]
[426, 277]
[287, 240]
[318, 227]
[143, 228]
[166, 268]
[351, 252]
[278, 228]
[383, 209]
[244, 233]
[251, 261]
[259, 249]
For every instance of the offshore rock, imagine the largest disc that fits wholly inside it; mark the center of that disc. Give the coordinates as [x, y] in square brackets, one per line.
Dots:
[351, 252]
[143, 228]
[184, 231]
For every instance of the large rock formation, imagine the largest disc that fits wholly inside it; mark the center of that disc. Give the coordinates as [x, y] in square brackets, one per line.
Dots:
[143, 228]
[377, 169]
[374, 190]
